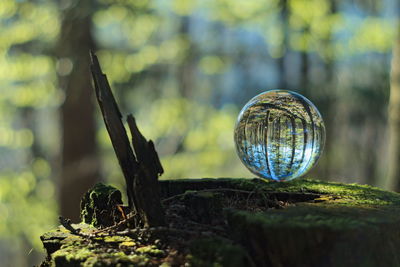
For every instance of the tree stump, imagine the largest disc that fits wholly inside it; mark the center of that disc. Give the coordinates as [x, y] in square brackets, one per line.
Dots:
[245, 222]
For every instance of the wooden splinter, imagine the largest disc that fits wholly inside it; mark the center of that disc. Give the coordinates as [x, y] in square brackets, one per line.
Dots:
[140, 172]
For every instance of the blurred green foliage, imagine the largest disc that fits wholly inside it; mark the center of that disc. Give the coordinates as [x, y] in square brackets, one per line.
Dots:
[27, 83]
[185, 68]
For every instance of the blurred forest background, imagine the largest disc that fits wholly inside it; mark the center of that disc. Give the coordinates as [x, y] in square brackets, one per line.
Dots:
[184, 69]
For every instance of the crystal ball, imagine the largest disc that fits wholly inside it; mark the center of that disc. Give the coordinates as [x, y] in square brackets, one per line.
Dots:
[279, 135]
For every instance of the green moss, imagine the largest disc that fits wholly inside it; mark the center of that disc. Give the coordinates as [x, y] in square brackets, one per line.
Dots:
[127, 244]
[117, 239]
[98, 206]
[217, 252]
[343, 193]
[104, 250]
[127, 260]
[89, 258]
[151, 250]
[68, 254]
[355, 191]
[75, 251]
[71, 256]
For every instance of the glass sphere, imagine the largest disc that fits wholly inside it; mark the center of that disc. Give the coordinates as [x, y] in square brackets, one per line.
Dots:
[279, 135]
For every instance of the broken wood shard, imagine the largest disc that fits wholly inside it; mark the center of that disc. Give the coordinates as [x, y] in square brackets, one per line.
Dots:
[145, 151]
[116, 130]
[147, 188]
[141, 173]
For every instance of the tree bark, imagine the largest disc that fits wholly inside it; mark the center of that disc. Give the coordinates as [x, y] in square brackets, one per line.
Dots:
[80, 162]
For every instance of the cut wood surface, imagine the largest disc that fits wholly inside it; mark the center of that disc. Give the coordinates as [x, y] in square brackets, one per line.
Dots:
[244, 222]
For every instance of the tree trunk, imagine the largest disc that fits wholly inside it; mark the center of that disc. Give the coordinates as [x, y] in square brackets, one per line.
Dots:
[393, 177]
[325, 93]
[284, 17]
[187, 67]
[80, 163]
[304, 72]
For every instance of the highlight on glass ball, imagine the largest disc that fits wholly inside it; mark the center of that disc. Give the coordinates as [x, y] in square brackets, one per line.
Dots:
[279, 135]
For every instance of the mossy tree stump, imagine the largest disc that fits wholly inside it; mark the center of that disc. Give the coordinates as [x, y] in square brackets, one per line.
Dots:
[243, 222]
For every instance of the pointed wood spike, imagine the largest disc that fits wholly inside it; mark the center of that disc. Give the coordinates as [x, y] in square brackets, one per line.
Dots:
[115, 128]
[156, 159]
[103, 88]
[140, 172]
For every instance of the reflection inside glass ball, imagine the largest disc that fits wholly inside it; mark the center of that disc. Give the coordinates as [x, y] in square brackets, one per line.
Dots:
[279, 135]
